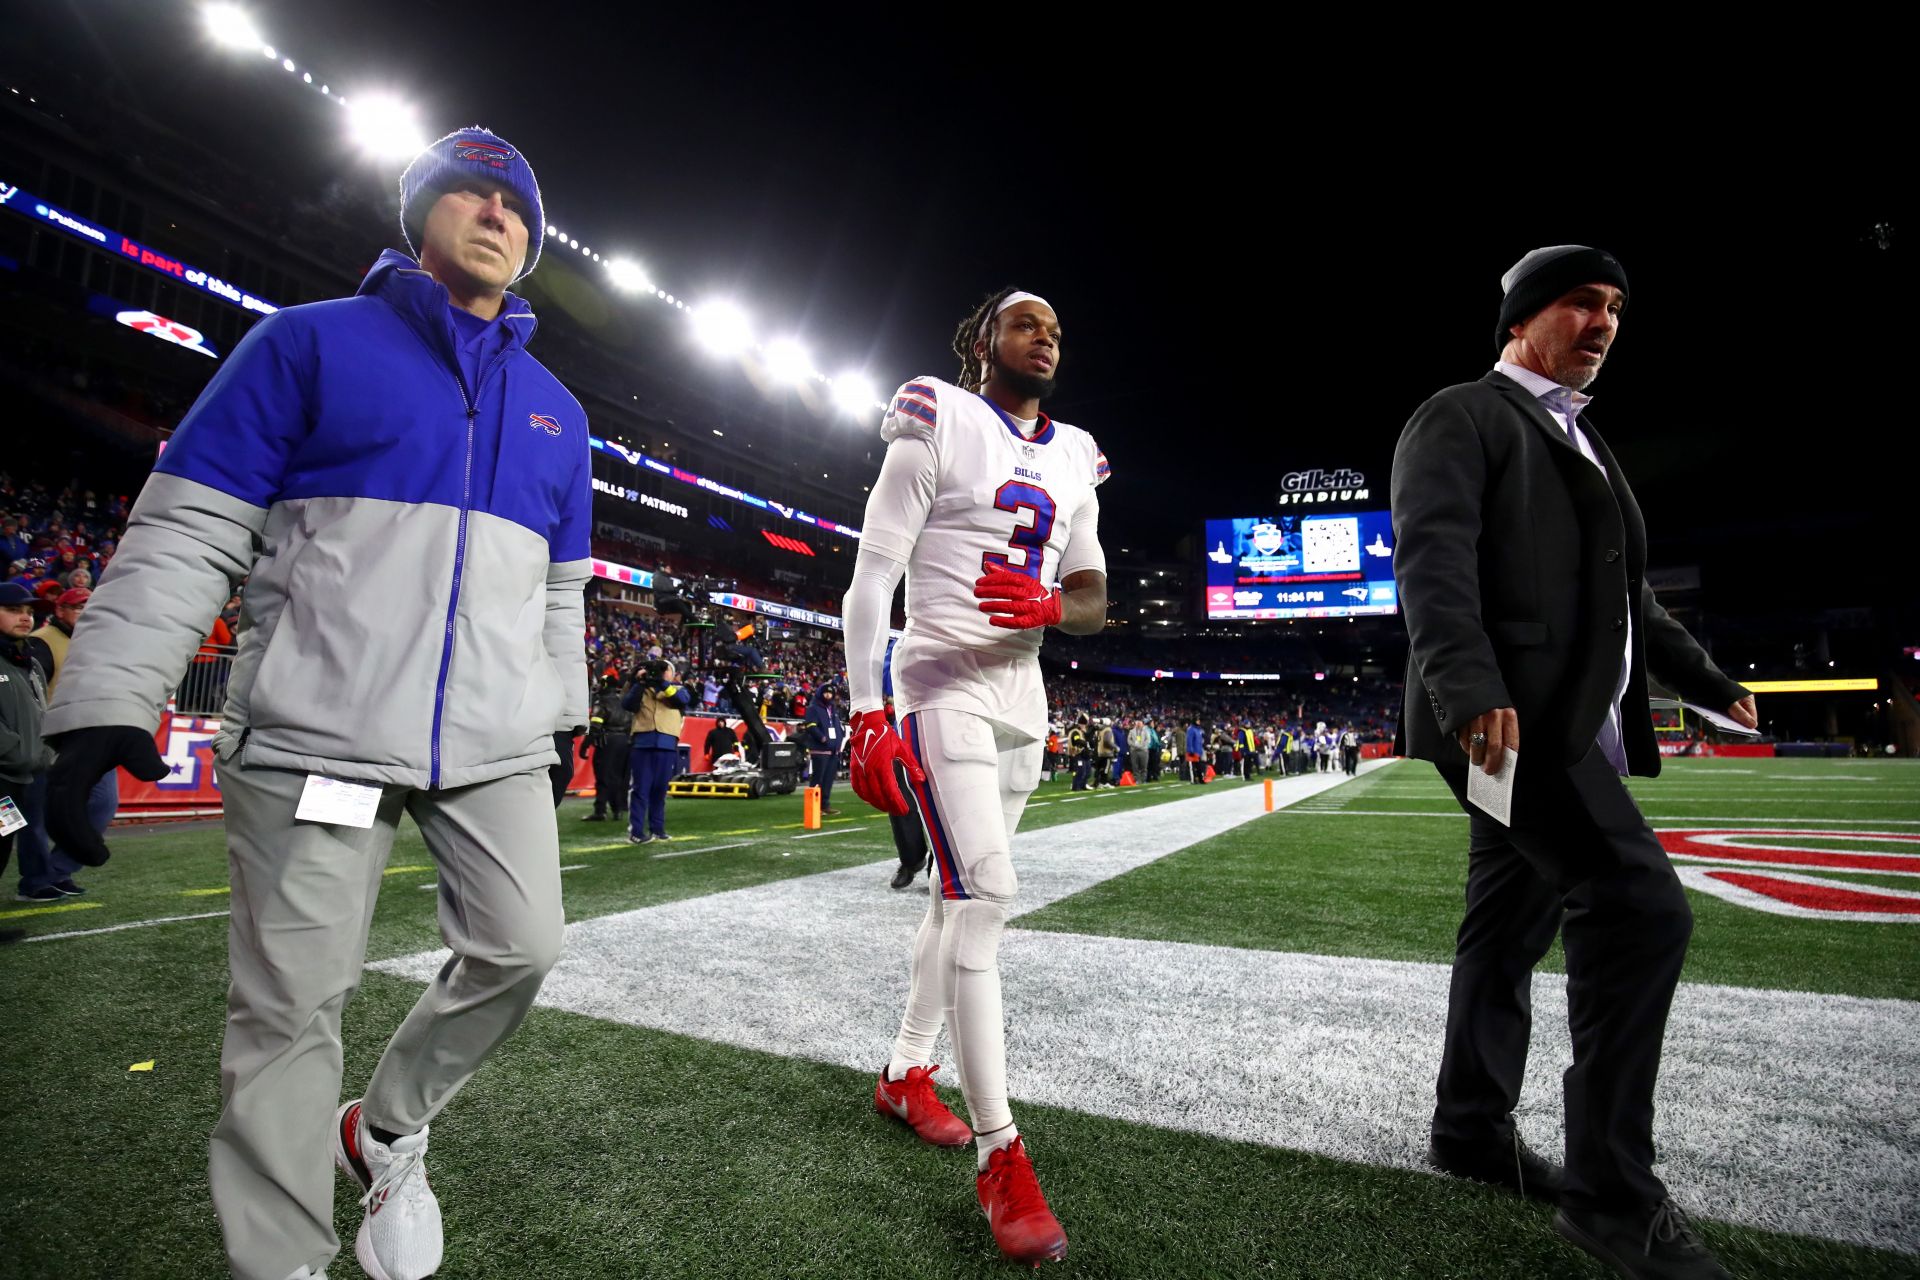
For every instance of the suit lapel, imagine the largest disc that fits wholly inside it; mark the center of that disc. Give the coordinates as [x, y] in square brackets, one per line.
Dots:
[1633, 525]
[1589, 486]
[1535, 412]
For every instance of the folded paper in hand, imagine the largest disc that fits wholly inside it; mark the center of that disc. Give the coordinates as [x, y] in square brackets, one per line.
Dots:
[1719, 720]
[1492, 793]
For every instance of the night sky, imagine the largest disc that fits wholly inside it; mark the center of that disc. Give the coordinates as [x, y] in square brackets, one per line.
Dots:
[1263, 258]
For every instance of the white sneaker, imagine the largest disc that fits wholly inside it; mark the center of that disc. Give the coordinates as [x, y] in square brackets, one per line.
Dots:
[400, 1236]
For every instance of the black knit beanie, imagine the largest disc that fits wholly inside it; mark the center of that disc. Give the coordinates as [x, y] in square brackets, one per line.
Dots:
[1544, 275]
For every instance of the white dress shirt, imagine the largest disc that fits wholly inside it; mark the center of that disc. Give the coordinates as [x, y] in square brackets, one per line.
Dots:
[1609, 739]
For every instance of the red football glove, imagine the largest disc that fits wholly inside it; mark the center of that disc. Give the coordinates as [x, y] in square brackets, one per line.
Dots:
[1015, 601]
[873, 748]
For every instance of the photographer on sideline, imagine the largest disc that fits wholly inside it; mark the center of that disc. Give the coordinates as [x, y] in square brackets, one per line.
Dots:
[658, 706]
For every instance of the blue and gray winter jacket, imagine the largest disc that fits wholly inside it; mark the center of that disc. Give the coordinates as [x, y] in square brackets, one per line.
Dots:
[414, 548]
[823, 727]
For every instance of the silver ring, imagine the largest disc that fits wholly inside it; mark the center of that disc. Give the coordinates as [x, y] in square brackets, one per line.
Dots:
[1478, 739]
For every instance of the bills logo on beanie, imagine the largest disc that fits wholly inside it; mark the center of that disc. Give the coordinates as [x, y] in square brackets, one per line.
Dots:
[496, 154]
[462, 155]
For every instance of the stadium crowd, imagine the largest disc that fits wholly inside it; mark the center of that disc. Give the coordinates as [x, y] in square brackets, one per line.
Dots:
[56, 538]
[621, 639]
[56, 541]
[1370, 708]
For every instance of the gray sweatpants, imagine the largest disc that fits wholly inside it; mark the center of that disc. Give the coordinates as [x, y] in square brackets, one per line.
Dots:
[303, 899]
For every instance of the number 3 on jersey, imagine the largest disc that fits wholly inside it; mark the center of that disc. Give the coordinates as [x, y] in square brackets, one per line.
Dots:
[1030, 540]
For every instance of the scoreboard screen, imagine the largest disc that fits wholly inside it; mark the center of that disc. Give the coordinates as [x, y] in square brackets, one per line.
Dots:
[1301, 566]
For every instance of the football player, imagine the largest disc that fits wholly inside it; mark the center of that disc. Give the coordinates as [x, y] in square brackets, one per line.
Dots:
[988, 508]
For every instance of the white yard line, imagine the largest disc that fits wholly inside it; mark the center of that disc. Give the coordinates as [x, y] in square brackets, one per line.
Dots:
[1782, 1110]
[705, 848]
[1654, 795]
[116, 928]
[1369, 813]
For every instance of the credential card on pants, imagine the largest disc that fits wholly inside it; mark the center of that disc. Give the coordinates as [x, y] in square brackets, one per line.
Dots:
[1492, 793]
[336, 803]
[10, 819]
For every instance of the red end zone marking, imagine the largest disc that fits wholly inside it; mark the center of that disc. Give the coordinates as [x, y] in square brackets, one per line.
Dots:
[1819, 897]
[1734, 845]
[1783, 893]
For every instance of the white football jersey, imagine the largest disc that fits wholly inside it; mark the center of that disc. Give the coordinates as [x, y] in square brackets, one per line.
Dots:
[999, 499]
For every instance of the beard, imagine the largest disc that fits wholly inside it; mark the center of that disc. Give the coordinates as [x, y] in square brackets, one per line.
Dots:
[1570, 370]
[1022, 382]
[1577, 375]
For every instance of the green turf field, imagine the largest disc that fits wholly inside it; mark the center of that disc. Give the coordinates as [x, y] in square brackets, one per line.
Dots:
[608, 1144]
[1388, 883]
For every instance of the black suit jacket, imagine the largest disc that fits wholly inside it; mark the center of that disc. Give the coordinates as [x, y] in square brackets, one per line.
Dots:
[1520, 566]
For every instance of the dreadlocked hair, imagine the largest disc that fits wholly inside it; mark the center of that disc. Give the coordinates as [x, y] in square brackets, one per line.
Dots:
[973, 370]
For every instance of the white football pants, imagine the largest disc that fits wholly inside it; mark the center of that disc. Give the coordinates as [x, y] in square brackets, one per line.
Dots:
[979, 777]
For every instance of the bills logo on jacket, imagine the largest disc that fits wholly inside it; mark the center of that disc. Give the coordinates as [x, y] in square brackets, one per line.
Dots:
[550, 425]
[490, 153]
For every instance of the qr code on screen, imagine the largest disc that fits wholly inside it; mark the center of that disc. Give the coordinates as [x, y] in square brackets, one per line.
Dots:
[1330, 546]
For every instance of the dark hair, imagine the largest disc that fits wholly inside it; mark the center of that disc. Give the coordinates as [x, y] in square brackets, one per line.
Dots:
[973, 370]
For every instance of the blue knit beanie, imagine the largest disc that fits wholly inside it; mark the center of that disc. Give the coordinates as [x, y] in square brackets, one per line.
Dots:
[472, 152]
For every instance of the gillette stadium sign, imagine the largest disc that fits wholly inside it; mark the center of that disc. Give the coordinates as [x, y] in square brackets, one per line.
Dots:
[1322, 486]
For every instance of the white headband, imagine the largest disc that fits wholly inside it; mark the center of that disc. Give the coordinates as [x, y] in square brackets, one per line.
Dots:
[1006, 302]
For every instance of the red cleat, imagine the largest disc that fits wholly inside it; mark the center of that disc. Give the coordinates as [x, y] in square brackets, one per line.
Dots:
[1023, 1226]
[911, 1101]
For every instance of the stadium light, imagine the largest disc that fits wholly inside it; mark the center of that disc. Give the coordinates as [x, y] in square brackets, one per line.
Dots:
[230, 27]
[385, 128]
[627, 275]
[853, 393]
[787, 360]
[722, 328]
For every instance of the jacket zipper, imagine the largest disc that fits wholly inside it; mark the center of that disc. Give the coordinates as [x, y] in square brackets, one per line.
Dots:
[453, 602]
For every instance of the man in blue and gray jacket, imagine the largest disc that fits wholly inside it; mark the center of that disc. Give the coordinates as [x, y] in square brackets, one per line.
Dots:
[406, 490]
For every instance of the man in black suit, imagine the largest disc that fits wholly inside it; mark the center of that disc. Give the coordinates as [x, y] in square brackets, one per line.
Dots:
[1520, 558]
